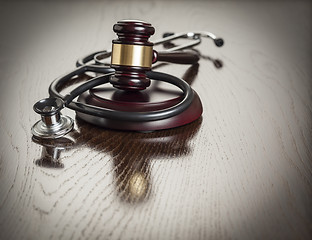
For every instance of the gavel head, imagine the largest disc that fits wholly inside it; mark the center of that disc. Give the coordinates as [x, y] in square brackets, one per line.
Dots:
[132, 55]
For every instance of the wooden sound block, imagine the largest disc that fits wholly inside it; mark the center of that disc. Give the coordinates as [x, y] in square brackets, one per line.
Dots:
[157, 97]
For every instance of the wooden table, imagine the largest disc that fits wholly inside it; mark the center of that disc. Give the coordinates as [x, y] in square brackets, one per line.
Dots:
[242, 171]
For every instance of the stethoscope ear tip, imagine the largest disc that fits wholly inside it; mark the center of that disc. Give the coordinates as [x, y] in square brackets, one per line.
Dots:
[219, 42]
[167, 34]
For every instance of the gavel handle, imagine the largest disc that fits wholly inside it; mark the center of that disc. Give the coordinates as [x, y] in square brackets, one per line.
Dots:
[181, 57]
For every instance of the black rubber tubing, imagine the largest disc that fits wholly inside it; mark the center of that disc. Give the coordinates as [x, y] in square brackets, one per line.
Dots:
[188, 95]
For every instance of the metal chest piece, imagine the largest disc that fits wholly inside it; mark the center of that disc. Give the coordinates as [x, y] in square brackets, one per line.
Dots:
[52, 124]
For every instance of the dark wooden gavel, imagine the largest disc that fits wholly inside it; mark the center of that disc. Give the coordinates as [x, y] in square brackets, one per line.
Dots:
[132, 55]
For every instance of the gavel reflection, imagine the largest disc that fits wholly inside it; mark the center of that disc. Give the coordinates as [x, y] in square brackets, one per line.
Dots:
[52, 150]
[133, 153]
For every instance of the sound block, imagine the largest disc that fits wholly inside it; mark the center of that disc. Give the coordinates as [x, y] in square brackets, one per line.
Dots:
[157, 97]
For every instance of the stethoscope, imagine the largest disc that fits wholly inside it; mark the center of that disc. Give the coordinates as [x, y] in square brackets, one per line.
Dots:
[54, 125]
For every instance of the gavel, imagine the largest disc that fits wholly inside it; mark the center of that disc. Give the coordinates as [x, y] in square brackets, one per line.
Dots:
[132, 55]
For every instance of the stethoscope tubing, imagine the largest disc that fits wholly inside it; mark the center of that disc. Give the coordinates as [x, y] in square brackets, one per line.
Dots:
[186, 101]
[83, 66]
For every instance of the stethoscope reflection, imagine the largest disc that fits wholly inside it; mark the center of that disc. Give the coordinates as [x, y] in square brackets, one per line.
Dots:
[51, 153]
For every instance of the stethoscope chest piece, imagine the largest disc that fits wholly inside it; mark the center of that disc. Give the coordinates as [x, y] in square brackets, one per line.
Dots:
[52, 124]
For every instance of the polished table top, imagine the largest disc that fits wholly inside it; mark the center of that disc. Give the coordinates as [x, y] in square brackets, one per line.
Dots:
[242, 171]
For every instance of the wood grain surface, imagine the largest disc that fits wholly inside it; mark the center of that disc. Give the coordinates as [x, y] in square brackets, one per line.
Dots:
[242, 171]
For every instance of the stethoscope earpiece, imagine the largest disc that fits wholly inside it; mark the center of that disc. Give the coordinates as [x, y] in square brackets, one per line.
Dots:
[219, 42]
[52, 124]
